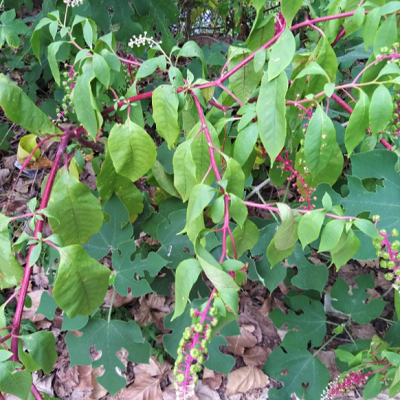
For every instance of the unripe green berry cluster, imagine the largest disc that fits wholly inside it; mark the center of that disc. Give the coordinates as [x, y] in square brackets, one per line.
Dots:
[68, 83]
[192, 350]
[388, 252]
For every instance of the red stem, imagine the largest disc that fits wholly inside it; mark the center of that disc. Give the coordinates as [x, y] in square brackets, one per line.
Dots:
[38, 229]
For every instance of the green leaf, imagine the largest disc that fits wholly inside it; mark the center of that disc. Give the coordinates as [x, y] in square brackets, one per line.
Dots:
[165, 113]
[81, 282]
[163, 179]
[25, 147]
[244, 143]
[286, 235]
[290, 9]
[10, 269]
[380, 110]
[245, 238]
[395, 386]
[192, 49]
[113, 232]
[282, 54]
[132, 150]
[387, 34]
[355, 22]
[271, 113]
[101, 69]
[235, 177]
[74, 212]
[184, 170]
[186, 276]
[353, 302]
[20, 109]
[274, 255]
[108, 338]
[329, 89]
[309, 276]
[47, 306]
[370, 27]
[310, 226]
[346, 248]
[299, 371]
[327, 202]
[244, 81]
[381, 165]
[149, 66]
[309, 325]
[320, 142]
[237, 210]
[13, 381]
[199, 199]
[368, 228]
[84, 102]
[52, 57]
[129, 272]
[312, 69]
[42, 347]
[358, 123]
[222, 281]
[331, 235]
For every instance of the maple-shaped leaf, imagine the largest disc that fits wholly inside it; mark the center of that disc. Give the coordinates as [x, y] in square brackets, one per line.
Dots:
[116, 230]
[352, 301]
[309, 276]
[381, 165]
[129, 271]
[109, 338]
[175, 248]
[307, 326]
[296, 369]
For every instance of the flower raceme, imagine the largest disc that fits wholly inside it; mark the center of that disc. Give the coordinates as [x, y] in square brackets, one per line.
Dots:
[73, 3]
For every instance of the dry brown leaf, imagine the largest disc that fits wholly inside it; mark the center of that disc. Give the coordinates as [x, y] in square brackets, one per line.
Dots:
[98, 390]
[238, 343]
[30, 313]
[362, 331]
[328, 358]
[204, 392]
[4, 174]
[145, 387]
[154, 369]
[212, 378]
[256, 356]
[244, 379]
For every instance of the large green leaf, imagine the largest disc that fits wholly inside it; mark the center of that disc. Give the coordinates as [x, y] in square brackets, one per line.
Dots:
[245, 238]
[81, 282]
[52, 57]
[10, 269]
[290, 9]
[244, 81]
[282, 54]
[299, 371]
[74, 212]
[184, 170]
[358, 123]
[309, 325]
[199, 199]
[165, 113]
[387, 34]
[320, 143]
[42, 347]
[310, 226]
[132, 150]
[20, 109]
[113, 232]
[380, 110]
[354, 301]
[84, 103]
[271, 114]
[14, 381]
[129, 272]
[187, 273]
[286, 235]
[235, 178]
[109, 338]
[381, 165]
[109, 182]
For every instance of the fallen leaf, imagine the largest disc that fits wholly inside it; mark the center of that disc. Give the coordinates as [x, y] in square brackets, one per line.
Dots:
[212, 378]
[145, 387]
[4, 174]
[204, 392]
[256, 356]
[238, 343]
[244, 379]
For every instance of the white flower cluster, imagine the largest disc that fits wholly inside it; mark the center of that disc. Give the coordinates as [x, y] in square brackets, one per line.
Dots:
[73, 3]
[142, 40]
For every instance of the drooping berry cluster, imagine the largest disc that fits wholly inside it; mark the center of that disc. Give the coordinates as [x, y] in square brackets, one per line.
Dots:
[389, 253]
[192, 350]
[395, 120]
[68, 84]
[344, 385]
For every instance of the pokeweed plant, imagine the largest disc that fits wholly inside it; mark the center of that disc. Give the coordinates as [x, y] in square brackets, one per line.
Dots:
[277, 108]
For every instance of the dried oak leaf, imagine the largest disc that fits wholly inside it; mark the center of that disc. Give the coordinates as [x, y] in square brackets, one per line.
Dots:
[244, 379]
[145, 387]
[238, 343]
[256, 356]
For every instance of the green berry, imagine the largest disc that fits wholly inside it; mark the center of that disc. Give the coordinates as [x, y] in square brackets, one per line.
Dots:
[214, 322]
[377, 218]
[386, 255]
[397, 272]
[200, 358]
[388, 276]
[395, 232]
[179, 359]
[192, 311]
[213, 311]
[198, 328]
[193, 369]
[194, 353]
[180, 378]
[195, 379]
[383, 264]
[391, 264]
